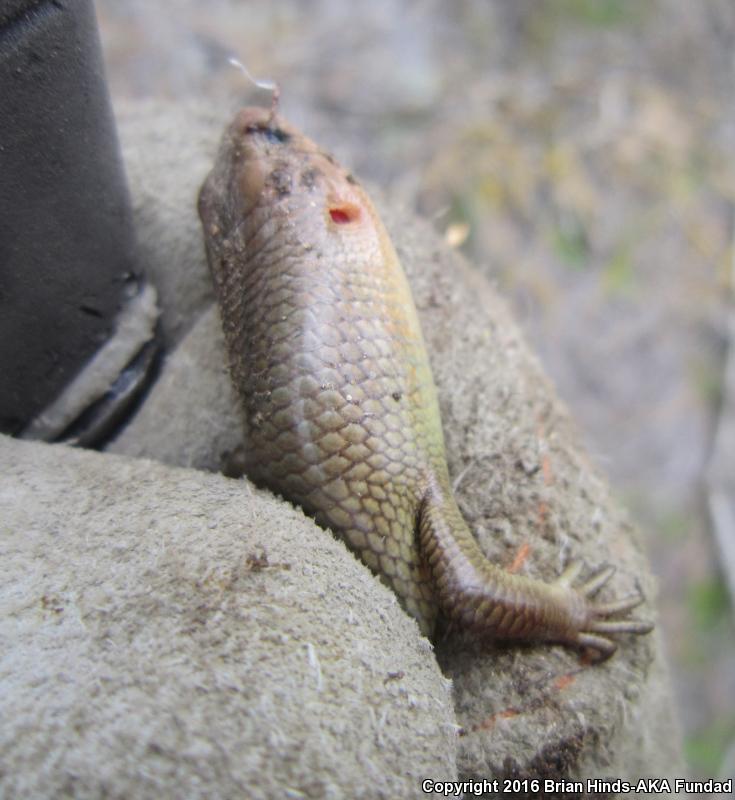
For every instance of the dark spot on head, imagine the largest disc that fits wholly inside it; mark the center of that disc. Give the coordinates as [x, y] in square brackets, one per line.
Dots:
[350, 178]
[328, 156]
[309, 177]
[396, 396]
[271, 134]
[280, 180]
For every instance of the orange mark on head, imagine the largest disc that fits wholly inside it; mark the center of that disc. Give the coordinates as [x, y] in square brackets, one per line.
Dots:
[344, 213]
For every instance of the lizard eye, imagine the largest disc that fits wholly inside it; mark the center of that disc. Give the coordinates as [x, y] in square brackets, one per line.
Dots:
[276, 135]
[344, 213]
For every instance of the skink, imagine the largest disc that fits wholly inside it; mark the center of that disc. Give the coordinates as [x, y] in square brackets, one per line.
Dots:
[340, 408]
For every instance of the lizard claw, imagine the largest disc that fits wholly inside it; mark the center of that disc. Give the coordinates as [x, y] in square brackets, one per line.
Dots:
[598, 614]
[597, 581]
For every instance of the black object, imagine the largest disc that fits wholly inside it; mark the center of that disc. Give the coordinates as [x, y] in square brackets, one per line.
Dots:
[67, 250]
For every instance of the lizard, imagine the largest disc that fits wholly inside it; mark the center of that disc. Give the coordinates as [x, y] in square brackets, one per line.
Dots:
[339, 404]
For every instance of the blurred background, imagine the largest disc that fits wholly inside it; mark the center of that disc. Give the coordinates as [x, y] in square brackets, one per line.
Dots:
[580, 153]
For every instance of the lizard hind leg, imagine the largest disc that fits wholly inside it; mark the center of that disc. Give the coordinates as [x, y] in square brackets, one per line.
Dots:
[480, 596]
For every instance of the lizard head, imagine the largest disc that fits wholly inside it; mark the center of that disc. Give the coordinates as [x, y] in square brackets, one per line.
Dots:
[271, 181]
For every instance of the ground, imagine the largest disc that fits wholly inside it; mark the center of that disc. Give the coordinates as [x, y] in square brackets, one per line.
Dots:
[580, 153]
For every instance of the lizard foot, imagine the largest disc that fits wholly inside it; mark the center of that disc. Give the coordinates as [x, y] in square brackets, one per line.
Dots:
[598, 624]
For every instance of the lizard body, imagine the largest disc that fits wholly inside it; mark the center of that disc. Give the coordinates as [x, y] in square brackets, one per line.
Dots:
[340, 409]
